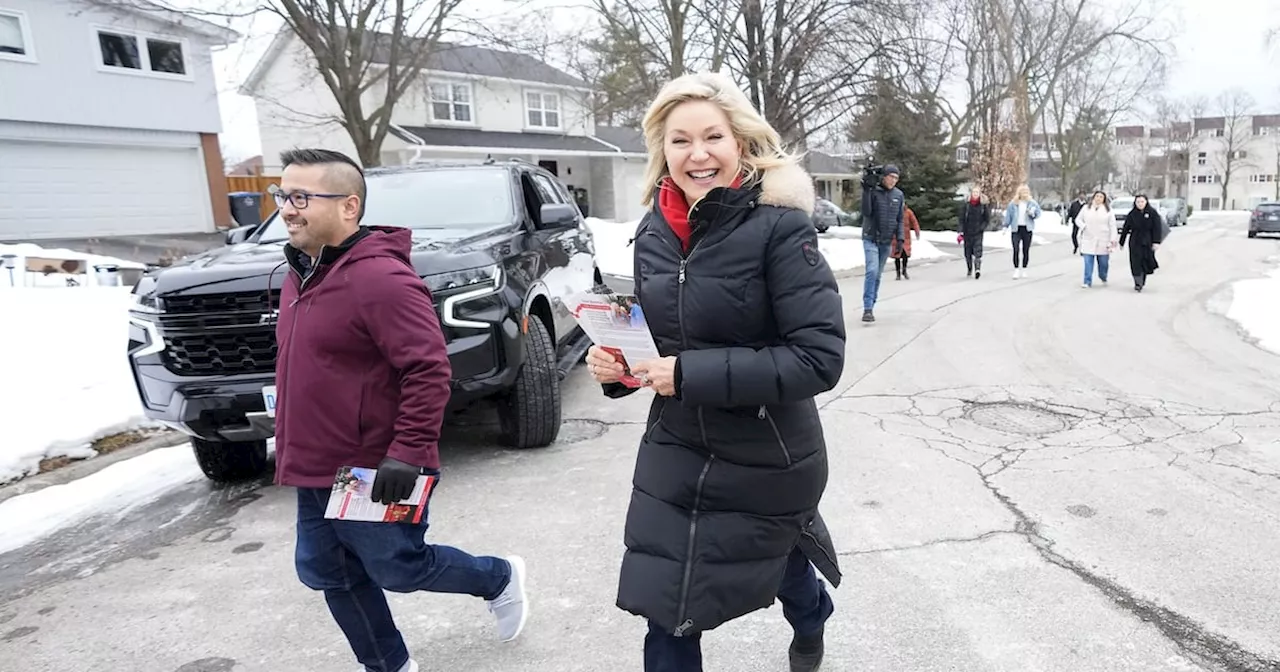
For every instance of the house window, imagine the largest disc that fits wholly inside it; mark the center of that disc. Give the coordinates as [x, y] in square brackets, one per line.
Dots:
[542, 109]
[15, 37]
[450, 102]
[1202, 158]
[135, 52]
[962, 154]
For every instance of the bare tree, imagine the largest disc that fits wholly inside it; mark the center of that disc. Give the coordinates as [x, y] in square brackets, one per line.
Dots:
[1236, 108]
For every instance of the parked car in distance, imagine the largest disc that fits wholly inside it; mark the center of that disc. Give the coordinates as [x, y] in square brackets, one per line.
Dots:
[1120, 208]
[827, 214]
[1265, 218]
[1173, 210]
[499, 244]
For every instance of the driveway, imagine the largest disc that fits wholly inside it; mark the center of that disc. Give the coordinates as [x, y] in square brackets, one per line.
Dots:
[1025, 475]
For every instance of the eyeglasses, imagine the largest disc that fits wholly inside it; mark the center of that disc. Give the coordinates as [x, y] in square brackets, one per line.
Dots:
[299, 199]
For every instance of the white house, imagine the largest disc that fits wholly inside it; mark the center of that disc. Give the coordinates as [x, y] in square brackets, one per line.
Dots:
[1254, 163]
[472, 103]
[108, 120]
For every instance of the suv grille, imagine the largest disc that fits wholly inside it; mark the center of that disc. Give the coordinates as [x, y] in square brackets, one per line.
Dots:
[231, 352]
[219, 334]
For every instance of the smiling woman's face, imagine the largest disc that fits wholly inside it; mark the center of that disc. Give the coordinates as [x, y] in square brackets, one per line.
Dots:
[700, 149]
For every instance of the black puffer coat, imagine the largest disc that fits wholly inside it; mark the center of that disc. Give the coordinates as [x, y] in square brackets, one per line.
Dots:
[1142, 229]
[730, 471]
[974, 219]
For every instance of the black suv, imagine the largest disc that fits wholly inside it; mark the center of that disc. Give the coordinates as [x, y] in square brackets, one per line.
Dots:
[500, 244]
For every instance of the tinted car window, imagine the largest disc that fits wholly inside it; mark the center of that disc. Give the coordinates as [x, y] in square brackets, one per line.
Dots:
[1269, 207]
[434, 199]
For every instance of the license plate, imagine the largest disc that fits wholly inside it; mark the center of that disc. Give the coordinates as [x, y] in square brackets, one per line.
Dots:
[1273, 218]
[269, 398]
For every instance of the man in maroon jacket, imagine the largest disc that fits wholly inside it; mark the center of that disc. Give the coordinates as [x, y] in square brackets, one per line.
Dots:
[362, 379]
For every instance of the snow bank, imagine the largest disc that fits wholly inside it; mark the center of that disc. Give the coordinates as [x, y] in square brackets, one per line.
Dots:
[64, 376]
[48, 267]
[1253, 307]
[117, 489]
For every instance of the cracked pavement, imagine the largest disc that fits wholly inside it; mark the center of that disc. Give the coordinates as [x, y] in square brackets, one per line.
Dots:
[1024, 476]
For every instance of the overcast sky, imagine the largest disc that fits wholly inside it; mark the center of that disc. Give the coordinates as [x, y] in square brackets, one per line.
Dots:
[1220, 45]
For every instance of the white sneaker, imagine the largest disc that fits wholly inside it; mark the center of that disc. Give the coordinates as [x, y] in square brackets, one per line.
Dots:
[511, 608]
[1084, 285]
[1015, 274]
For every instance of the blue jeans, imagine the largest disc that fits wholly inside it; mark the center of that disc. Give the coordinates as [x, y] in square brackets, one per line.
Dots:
[805, 604]
[877, 255]
[354, 561]
[1104, 266]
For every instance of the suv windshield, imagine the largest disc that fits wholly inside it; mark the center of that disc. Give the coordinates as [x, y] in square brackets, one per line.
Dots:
[1269, 207]
[455, 198]
[1122, 205]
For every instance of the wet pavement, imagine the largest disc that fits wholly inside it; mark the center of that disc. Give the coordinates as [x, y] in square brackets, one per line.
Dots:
[1025, 475]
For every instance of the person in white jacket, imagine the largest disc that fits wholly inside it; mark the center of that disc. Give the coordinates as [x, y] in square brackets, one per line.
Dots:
[1098, 237]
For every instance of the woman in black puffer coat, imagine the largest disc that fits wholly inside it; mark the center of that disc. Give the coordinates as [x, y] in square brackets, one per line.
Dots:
[1144, 231]
[748, 321]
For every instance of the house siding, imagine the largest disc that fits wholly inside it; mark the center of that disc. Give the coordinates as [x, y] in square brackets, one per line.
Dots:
[66, 86]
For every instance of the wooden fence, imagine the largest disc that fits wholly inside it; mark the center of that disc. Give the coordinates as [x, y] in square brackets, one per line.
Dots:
[257, 184]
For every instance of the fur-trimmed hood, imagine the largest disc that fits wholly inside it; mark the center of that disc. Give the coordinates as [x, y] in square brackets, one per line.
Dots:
[789, 186]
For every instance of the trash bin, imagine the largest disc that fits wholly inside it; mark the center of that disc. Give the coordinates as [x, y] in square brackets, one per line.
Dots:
[246, 207]
[108, 275]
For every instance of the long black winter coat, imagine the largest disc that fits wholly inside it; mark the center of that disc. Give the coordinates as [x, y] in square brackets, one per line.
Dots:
[1142, 229]
[730, 470]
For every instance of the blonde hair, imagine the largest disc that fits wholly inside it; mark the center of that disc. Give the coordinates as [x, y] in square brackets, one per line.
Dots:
[760, 144]
[1022, 189]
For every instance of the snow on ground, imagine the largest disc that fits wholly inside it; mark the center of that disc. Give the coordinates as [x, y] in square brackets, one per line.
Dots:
[116, 489]
[1253, 307]
[21, 275]
[64, 376]
[842, 247]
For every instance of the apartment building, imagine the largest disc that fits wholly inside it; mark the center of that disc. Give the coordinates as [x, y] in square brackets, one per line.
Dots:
[1234, 162]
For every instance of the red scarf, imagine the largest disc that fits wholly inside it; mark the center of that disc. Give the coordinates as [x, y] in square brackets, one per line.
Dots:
[675, 208]
[974, 201]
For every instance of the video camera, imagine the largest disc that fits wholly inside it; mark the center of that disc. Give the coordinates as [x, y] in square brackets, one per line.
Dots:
[871, 176]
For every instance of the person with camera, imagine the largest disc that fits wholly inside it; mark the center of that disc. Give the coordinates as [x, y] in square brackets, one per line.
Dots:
[883, 211]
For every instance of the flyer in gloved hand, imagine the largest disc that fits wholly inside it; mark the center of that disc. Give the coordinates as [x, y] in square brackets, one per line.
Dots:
[350, 500]
[616, 323]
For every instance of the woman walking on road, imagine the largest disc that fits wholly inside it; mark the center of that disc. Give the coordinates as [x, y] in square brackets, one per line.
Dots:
[745, 312]
[1097, 237]
[1147, 230]
[901, 251]
[975, 214]
[1020, 219]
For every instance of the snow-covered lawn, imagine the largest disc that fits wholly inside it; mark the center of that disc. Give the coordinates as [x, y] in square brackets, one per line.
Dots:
[66, 379]
[1253, 307]
[49, 269]
[842, 247]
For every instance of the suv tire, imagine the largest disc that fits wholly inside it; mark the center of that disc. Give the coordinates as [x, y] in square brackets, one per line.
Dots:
[529, 414]
[226, 461]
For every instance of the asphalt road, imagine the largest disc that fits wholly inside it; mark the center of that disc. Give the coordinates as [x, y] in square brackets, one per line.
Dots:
[1025, 475]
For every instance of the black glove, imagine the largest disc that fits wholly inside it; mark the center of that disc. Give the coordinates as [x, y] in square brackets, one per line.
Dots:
[394, 482]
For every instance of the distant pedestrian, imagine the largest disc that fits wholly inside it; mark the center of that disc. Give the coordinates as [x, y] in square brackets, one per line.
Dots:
[1143, 223]
[1020, 220]
[901, 251]
[1072, 212]
[975, 215]
[883, 210]
[363, 378]
[1097, 237]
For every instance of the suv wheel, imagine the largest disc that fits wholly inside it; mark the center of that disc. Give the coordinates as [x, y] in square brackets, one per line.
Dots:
[529, 414]
[1253, 234]
[230, 460]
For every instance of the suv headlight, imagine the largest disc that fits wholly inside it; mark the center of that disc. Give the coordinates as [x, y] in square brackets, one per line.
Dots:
[463, 286]
[145, 303]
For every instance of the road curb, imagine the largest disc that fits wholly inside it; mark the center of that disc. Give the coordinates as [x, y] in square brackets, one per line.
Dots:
[82, 468]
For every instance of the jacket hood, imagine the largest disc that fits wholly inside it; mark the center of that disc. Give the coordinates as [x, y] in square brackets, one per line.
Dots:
[788, 186]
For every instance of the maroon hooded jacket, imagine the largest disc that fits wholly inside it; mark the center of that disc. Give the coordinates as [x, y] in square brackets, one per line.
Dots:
[361, 369]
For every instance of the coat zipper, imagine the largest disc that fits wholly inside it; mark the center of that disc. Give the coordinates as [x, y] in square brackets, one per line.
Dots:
[688, 560]
[765, 415]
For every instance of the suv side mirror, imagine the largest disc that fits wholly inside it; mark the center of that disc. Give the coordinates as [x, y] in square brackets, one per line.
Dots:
[558, 216]
[240, 234]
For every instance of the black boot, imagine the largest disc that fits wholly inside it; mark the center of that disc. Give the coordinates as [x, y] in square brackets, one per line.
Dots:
[806, 652]
[867, 316]
[905, 259]
[897, 268]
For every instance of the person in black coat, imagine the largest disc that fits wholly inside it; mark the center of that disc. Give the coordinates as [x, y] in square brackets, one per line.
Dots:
[1144, 231]
[1072, 212]
[975, 215]
[747, 317]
